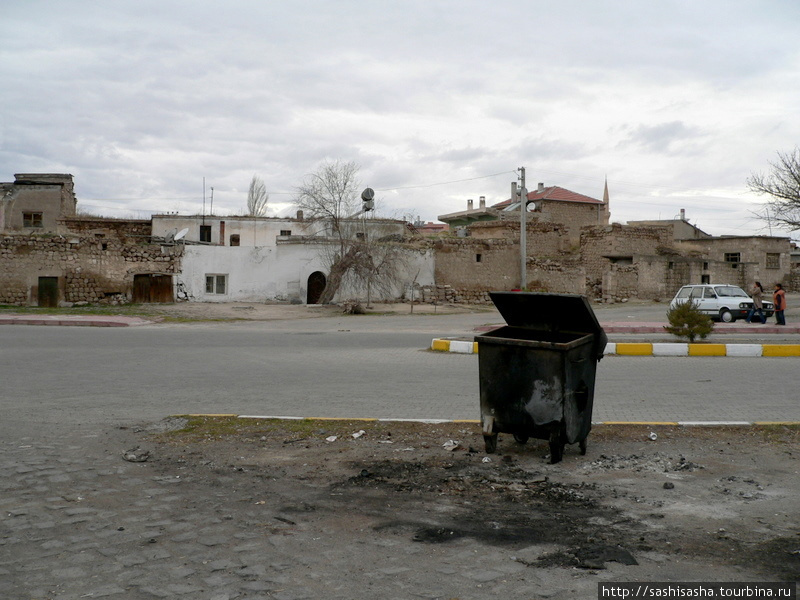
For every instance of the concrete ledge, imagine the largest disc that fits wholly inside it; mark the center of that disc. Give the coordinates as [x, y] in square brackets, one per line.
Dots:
[477, 421]
[647, 349]
[73, 320]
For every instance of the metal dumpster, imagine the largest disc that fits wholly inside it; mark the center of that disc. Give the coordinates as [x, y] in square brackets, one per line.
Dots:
[537, 374]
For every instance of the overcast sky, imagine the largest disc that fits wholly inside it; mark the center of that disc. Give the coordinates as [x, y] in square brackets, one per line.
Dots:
[676, 102]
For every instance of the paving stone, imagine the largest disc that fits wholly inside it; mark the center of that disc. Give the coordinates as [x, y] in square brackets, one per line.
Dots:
[483, 576]
[252, 571]
[183, 589]
[219, 565]
[70, 573]
[214, 541]
[130, 560]
[105, 592]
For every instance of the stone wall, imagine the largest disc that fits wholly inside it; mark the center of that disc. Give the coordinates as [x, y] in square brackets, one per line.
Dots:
[445, 294]
[792, 282]
[134, 231]
[542, 239]
[621, 283]
[88, 269]
[468, 268]
[477, 265]
[556, 276]
[601, 246]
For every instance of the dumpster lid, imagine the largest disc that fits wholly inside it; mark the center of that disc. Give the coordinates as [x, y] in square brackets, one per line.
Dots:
[547, 312]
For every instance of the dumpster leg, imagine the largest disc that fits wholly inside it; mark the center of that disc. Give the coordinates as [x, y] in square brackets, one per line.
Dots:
[556, 446]
[582, 446]
[489, 436]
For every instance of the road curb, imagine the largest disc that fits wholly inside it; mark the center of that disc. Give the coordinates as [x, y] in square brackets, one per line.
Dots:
[477, 421]
[654, 349]
[73, 321]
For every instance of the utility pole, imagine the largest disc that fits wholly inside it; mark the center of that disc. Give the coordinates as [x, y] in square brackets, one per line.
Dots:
[523, 231]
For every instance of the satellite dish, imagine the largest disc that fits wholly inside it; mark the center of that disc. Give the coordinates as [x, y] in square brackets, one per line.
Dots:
[170, 236]
[368, 194]
[181, 234]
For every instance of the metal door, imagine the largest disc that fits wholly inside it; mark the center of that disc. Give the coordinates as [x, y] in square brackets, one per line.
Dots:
[48, 292]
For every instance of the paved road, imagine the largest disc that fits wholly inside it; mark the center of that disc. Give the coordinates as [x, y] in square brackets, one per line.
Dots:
[337, 368]
[78, 522]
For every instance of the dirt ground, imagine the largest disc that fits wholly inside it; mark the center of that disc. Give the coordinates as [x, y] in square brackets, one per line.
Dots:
[693, 504]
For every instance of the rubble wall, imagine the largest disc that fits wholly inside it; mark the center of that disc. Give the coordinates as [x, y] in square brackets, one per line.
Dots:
[87, 269]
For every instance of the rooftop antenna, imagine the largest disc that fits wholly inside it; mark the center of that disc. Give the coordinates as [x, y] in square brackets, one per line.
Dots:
[211, 210]
[204, 200]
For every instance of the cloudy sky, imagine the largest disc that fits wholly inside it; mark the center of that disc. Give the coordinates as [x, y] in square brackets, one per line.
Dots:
[676, 102]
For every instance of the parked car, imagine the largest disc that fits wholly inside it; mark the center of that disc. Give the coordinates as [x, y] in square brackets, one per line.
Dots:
[721, 302]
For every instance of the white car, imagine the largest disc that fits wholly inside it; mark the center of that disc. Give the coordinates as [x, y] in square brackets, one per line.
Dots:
[720, 301]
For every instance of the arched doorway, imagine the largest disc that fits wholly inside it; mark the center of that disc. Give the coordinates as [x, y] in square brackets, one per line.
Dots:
[316, 285]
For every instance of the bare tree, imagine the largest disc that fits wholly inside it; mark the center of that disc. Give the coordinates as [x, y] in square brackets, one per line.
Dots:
[257, 198]
[782, 185]
[352, 252]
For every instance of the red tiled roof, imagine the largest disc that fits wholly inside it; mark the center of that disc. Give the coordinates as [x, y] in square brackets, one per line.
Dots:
[556, 193]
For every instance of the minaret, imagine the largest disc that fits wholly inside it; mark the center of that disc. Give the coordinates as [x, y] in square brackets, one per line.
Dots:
[606, 207]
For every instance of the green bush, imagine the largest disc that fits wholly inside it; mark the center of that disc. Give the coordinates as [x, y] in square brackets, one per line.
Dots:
[686, 320]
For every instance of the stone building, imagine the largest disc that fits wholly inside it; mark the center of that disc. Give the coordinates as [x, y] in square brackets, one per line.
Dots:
[548, 204]
[57, 269]
[51, 256]
[35, 202]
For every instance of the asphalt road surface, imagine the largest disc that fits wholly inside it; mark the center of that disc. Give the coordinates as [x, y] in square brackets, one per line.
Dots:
[344, 367]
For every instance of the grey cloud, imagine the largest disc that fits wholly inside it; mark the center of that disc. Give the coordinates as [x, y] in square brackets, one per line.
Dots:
[671, 137]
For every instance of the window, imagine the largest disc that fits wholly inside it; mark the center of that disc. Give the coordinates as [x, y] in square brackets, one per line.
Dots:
[705, 279]
[773, 260]
[205, 233]
[235, 239]
[478, 257]
[286, 232]
[733, 257]
[32, 219]
[705, 268]
[216, 284]
[670, 265]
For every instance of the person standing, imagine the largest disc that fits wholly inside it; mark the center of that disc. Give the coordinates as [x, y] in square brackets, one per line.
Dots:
[779, 299]
[757, 293]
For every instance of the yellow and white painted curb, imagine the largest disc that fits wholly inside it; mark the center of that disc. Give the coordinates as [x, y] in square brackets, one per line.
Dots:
[654, 349]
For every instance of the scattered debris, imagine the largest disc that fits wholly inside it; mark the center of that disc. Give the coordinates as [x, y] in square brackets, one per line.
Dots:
[653, 436]
[668, 485]
[435, 535]
[358, 434]
[486, 459]
[451, 445]
[136, 454]
[595, 556]
[658, 462]
[331, 438]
